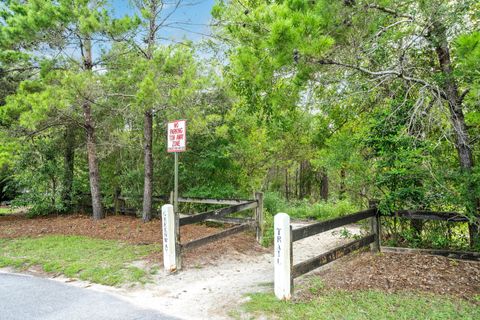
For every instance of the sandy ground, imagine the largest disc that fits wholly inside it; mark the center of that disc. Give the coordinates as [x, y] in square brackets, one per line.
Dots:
[215, 290]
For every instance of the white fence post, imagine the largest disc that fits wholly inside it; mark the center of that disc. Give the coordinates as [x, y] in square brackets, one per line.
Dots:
[169, 237]
[282, 263]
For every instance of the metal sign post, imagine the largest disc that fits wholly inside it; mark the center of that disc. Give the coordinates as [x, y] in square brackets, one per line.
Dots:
[175, 187]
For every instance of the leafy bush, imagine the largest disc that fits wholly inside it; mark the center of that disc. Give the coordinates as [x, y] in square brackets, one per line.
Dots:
[273, 203]
[8, 188]
[302, 209]
[433, 234]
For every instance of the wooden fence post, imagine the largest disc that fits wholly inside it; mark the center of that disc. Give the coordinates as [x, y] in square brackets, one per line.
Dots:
[170, 251]
[283, 257]
[375, 226]
[259, 217]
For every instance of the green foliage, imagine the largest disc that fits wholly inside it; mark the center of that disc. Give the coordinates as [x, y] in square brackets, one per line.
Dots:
[8, 186]
[306, 100]
[302, 209]
[434, 234]
[100, 261]
[400, 168]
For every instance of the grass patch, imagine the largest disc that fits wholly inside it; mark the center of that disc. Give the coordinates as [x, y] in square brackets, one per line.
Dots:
[302, 209]
[7, 210]
[363, 305]
[101, 261]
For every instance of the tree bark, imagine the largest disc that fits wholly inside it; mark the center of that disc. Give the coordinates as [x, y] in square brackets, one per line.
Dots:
[305, 179]
[148, 122]
[342, 184]
[297, 183]
[148, 167]
[93, 164]
[69, 162]
[286, 184]
[324, 185]
[91, 141]
[457, 118]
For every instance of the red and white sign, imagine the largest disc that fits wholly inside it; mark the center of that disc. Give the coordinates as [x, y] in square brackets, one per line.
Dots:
[177, 136]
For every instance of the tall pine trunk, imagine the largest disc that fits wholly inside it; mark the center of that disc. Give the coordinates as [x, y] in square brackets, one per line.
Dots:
[148, 165]
[69, 162]
[91, 142]
[154, 8]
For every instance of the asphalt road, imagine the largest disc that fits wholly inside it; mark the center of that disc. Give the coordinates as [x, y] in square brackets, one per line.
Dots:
[25, 297]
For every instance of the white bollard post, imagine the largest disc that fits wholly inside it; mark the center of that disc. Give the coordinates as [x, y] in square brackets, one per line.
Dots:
[282, 263]
[169, 237]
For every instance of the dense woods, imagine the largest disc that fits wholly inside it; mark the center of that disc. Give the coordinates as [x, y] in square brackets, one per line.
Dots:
[319, 104]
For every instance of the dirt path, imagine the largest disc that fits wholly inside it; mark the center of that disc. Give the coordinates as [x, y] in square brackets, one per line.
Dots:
[212, 291]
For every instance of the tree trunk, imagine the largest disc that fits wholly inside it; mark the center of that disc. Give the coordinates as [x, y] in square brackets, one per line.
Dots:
[417, 226]
[148, 164]
[308, 178]
[69, 162]
[148, 122]
[286, 184]
[342, 184]
[91, 142]
[324, 185]
[297, 184]
[462, 139]
[93, 164]
[305, 179]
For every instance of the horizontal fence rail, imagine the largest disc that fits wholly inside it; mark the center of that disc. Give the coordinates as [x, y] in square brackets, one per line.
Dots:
[189, 199]
[230, 220]
[332, 255]
[212, 201]
[218, 213]
[154, 198]
[214, 237]
[430, 215]
[319, 227]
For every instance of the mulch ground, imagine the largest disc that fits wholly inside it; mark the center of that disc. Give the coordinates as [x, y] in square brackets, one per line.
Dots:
[132, 230]
[400, 272]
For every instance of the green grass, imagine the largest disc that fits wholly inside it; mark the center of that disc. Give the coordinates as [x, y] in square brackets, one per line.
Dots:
[302, 209]
[5, 211]
[363, 305]
[101, 261]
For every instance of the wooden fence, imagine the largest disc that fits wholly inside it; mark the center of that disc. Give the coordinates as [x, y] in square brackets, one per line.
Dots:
[450, 217]
[120, 202]
[285, 235]
[171, 223]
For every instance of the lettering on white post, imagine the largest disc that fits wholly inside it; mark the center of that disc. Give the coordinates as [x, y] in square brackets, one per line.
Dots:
[168, 228]
[282, 264]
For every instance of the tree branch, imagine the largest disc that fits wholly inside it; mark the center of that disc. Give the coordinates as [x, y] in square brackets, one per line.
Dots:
[389, 11]
[464, 93]
[393, 73]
